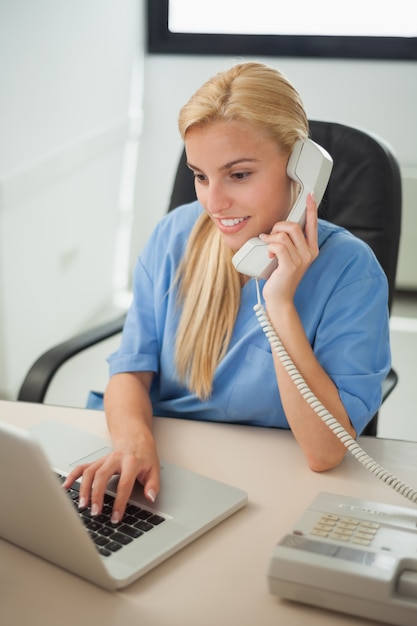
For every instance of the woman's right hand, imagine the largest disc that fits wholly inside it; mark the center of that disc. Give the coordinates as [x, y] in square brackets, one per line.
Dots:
[133, 462]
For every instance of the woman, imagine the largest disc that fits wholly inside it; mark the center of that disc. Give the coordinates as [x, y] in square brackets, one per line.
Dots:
[192, 346]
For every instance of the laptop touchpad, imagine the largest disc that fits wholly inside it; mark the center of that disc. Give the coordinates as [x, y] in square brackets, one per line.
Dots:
[91, 457]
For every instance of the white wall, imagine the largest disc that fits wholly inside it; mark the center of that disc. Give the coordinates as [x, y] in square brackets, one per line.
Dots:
[69, 108]
[379, 96]
[66, 116]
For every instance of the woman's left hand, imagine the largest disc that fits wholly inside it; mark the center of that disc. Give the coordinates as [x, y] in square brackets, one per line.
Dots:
[295, 251]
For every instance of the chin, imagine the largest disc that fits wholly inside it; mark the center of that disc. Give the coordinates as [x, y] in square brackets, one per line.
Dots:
[232, 242]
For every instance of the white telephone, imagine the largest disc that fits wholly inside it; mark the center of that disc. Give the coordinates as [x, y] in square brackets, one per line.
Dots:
[350, 555]
[310, 166]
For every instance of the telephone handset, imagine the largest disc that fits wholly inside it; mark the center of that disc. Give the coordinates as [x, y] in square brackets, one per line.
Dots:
[310, 166]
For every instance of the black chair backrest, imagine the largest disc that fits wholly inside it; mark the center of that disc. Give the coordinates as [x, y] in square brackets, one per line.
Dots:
[363, 195]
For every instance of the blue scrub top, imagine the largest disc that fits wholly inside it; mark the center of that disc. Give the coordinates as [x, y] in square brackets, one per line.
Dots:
[342, 303]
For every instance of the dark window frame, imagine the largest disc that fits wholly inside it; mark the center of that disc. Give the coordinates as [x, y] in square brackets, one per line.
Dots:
[162, 41]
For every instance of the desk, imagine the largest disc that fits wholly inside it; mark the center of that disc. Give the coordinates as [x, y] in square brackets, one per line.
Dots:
[220, 579]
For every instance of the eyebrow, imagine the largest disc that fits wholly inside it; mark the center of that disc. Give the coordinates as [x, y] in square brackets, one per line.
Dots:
[226, 166]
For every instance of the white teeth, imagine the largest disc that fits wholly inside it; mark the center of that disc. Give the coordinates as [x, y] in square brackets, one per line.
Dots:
[232, 222]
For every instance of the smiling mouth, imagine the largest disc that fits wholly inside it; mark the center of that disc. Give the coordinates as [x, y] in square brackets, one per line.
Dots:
[232, 221]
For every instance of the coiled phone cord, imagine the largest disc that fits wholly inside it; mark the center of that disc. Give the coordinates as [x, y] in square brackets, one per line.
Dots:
[322, 412]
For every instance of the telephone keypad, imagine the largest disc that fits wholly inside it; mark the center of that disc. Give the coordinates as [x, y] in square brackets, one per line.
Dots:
[346, 529]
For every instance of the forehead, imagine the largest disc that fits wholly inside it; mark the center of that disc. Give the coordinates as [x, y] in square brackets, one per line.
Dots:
[224, 141]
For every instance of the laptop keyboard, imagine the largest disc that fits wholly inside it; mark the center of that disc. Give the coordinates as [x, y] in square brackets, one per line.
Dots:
[107, 537]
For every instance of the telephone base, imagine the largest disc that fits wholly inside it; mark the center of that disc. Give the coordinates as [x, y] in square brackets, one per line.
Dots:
[352, 556]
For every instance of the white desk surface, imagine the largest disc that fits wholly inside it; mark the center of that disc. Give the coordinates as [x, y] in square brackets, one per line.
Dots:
[220, 579]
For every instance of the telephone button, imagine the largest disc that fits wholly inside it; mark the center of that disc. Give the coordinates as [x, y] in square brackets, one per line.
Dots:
[370, 525]
[361, 542]
[350, 520]
[324, 526]
[339, 536]
[362, 535]
[347, 526]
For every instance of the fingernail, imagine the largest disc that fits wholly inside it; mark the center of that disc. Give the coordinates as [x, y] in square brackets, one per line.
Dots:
[82, 503]
[262, 236]
[151, 495]
[94, 510]
[115, 518]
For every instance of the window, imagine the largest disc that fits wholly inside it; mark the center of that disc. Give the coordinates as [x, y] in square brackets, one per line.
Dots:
[361, 29]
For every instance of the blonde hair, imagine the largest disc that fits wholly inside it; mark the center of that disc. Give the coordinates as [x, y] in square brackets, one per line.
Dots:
[209, 286]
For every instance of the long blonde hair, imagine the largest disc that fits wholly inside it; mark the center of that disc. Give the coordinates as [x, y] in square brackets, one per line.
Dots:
[209, 286]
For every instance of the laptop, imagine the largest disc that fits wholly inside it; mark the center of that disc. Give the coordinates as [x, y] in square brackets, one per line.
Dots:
[37, 514]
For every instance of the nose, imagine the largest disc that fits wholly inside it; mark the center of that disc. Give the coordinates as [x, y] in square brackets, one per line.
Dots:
[217, 199]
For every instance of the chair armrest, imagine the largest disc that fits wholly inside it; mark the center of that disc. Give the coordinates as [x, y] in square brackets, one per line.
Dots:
[41, 373]
[389, 384]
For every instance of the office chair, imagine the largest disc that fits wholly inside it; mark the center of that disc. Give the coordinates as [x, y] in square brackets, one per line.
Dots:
[363, 195]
